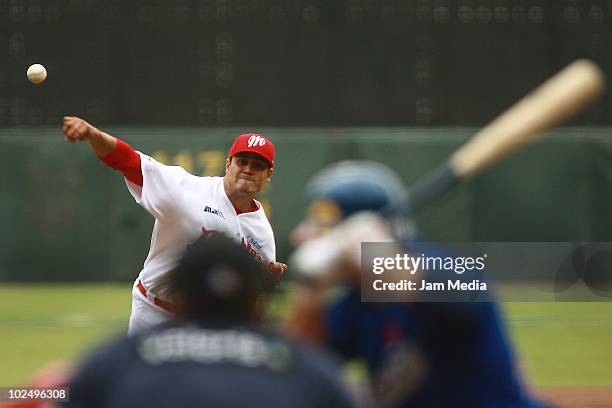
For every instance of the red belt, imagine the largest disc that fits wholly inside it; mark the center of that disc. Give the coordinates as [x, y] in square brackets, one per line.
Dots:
[167, 306]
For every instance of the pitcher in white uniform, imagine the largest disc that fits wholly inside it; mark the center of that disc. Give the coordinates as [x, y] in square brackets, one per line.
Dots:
[187, 208]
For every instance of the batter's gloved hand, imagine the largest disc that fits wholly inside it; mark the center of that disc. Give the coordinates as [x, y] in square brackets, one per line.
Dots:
[317, 259]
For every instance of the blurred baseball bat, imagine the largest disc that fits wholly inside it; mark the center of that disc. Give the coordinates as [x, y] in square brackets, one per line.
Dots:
[550, 104]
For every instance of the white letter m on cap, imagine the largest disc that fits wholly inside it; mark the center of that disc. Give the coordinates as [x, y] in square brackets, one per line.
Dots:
[256, 140]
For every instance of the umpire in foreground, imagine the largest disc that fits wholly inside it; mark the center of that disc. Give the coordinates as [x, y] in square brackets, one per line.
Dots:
[214, 354]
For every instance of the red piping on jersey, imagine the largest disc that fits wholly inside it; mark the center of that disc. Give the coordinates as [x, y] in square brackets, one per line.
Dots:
[126, 160]
[254, 207]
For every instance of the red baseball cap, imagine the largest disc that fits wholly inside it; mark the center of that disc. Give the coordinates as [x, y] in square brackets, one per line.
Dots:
[256, 143]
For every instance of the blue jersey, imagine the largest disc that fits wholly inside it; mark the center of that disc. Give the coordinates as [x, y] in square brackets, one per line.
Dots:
[429, 354]
[189, 365]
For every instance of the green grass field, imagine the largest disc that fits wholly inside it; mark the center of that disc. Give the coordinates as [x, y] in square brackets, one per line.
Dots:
[559, 344]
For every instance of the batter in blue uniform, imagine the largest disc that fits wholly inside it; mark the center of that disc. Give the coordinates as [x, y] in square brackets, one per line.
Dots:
[418, 354]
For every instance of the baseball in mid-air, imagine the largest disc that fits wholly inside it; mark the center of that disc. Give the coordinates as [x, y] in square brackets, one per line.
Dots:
[37, 73]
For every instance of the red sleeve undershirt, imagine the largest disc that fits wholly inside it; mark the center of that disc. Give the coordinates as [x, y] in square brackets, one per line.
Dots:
[126, 160]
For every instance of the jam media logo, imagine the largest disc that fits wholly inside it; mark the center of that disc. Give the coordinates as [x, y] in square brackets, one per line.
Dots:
[214, 211]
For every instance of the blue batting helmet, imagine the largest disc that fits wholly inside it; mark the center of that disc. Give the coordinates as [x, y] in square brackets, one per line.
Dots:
[352, 186]
[360, 186]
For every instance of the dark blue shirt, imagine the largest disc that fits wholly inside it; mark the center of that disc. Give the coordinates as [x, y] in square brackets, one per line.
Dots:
[429, 354]
[189, 365]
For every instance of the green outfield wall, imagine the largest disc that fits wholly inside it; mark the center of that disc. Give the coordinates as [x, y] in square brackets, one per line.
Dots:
[65, 216]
